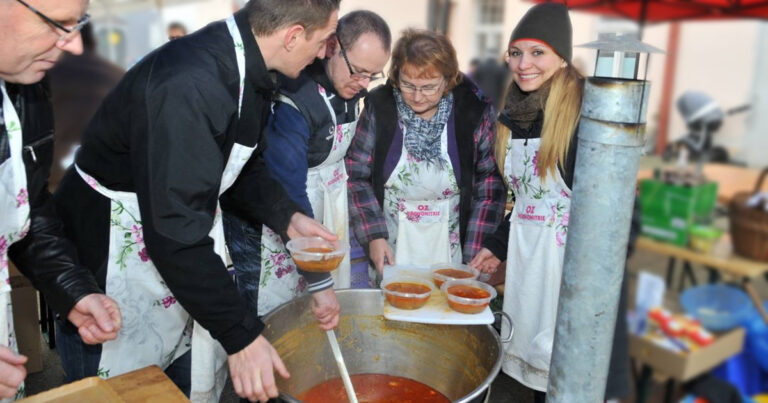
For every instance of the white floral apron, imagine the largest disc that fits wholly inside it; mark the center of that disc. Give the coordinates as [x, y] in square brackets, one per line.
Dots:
[14, 217]
[279, 281]
[537, 235]
[421, 209]
[156, 329]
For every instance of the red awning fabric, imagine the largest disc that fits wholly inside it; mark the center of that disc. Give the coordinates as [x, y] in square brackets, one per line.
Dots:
[671, 10]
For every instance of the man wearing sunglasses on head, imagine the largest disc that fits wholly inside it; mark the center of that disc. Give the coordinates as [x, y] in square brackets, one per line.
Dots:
[309, 132]
[33, 36]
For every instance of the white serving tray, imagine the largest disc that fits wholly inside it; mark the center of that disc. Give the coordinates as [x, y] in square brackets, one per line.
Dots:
[436, 311]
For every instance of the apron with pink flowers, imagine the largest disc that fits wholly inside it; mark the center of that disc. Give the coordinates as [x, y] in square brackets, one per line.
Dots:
[14, 215]
[421, 209]
[156, 329]
[539, 225]
[279, 281]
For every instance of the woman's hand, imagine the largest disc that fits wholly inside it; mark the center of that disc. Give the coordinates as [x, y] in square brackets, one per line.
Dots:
[485, 261]
[380, 250]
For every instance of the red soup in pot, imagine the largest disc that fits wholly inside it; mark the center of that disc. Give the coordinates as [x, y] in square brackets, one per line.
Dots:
[374, 388]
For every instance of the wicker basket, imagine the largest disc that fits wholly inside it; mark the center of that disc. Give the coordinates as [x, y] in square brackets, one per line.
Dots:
[749, 226]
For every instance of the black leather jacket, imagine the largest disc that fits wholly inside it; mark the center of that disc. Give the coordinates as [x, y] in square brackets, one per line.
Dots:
[44, 255]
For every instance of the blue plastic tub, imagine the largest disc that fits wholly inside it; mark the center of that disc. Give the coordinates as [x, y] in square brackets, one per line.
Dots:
[718, 307]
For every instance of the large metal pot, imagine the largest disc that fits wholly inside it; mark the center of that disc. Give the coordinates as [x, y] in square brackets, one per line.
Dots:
[458, 361]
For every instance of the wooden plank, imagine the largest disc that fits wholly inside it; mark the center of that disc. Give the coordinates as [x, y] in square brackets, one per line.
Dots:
[91, 389]
[148, 384]
[733, 265]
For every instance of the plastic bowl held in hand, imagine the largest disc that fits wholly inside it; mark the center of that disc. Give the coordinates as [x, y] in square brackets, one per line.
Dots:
[407, 292]
[443, 272]
[468, 296]
[315, 254]
[718, 307]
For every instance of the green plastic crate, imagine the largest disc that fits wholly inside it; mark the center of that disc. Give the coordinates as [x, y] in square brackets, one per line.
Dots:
[668, 210]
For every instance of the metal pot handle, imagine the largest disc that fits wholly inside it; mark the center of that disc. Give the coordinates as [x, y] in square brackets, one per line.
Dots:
[503, 316]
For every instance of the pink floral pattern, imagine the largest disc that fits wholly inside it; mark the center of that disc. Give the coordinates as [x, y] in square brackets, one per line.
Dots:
[22, 198]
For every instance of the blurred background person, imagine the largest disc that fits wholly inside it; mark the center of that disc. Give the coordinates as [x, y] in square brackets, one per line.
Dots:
[176, 30]
[78, 85]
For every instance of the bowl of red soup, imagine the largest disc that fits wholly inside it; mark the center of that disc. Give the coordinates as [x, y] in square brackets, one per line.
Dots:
[407, 292]
[315, 254]
[449, 271]
[468, 296]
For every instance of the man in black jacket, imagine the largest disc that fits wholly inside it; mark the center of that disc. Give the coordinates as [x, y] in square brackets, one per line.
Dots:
[33, 35]
[178, 140]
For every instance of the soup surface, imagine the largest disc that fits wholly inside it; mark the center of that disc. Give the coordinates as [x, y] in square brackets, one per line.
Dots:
[403, 302]
[467, 291]
[408, 288]
[374, 388]
[322, 265]
[452, 273]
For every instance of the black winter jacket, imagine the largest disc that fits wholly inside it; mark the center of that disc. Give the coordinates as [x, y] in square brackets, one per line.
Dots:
[45, 256]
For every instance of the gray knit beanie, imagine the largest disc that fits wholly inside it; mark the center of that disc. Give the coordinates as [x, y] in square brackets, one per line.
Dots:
[548, 23]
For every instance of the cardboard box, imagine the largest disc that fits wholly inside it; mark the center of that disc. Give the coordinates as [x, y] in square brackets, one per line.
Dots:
[26, 321]
[683, 367]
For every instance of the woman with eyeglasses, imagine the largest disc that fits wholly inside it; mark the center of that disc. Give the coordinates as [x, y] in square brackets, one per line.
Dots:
[423, 185]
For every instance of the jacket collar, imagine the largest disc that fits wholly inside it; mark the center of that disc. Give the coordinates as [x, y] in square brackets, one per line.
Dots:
[255, 67]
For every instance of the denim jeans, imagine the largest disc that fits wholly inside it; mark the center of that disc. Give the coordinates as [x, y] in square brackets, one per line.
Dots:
[81, 360]
[244, 244]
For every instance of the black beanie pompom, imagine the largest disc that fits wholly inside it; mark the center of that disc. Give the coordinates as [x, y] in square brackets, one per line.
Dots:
[549, 23]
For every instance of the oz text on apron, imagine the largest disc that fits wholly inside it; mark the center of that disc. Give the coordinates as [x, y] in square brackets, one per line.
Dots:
[421, 209]
[156, 329]
[279, 282]
[14, 212]
[537, 235]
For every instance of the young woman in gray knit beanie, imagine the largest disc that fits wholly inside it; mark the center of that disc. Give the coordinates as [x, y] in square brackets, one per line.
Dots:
[534, 152]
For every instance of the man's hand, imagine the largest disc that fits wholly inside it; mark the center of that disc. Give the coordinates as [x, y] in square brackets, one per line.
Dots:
[97, 318]
[380, 250]
[12, 372]
[252, 369]
[303, 226]
[326, 308]
[485, 261]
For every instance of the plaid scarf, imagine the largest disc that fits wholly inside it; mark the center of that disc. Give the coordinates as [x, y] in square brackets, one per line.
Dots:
[422, 137]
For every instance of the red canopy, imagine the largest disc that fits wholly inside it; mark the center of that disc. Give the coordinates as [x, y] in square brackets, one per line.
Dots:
[670, 10]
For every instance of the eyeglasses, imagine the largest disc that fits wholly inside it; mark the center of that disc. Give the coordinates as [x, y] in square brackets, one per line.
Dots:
[357, 76]
[69, 33]
[427, 90]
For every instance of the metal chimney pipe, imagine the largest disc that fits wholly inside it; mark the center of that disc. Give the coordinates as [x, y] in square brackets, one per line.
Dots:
[610, 141]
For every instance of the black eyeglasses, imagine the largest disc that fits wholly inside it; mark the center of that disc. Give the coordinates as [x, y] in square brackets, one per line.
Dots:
[69, 33]
[357, 76]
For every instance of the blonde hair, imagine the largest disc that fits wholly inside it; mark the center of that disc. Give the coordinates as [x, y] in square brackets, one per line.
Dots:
[562, 111]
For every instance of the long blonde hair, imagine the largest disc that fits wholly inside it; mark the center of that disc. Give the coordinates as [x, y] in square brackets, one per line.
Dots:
[562, 111]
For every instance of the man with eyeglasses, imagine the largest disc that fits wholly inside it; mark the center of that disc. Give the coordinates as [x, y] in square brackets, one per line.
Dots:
[309, 132]
[33, 35]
